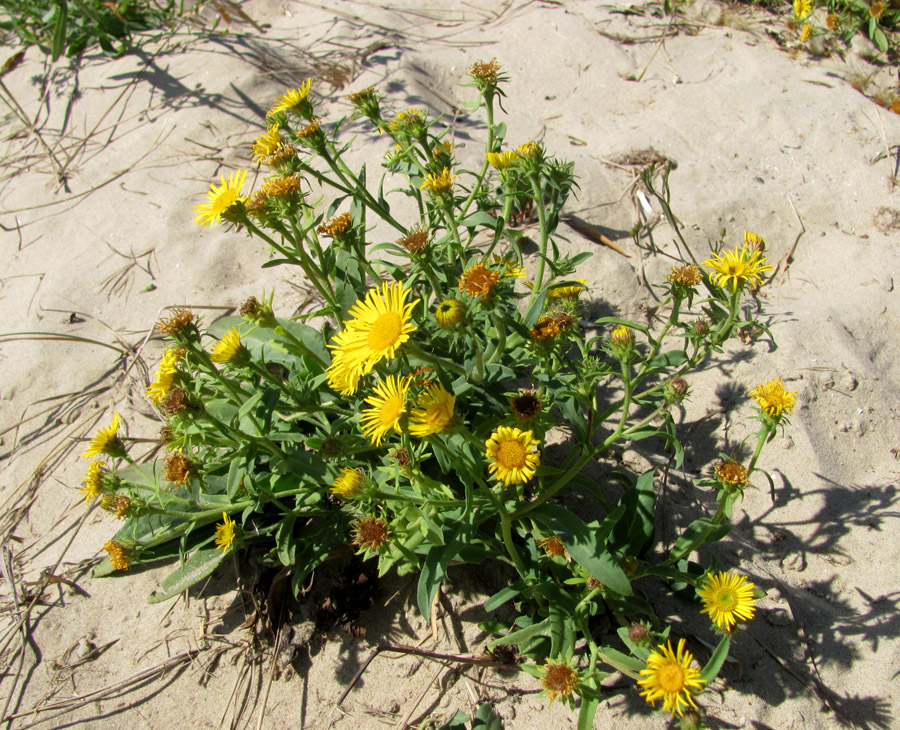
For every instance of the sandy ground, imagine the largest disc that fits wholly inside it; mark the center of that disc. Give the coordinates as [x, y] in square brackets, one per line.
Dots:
[765, 137]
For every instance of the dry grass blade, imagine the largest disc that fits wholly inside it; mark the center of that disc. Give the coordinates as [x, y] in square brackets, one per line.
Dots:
[73, 703]
[10, 336]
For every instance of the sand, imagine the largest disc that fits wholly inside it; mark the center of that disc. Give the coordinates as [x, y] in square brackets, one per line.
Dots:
[766, 137]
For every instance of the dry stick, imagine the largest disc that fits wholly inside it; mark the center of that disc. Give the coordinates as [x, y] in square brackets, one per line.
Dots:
[437, 656]
[789, 256]
[658, 46]
[404, 723]
[73, 703]
[265, 697]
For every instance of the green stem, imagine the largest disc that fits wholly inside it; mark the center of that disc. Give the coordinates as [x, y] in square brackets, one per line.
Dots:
[545, 234]
[574, 471]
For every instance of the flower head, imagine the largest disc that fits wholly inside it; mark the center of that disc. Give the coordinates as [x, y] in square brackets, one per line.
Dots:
[415, 241]
[738, 267]
[380, 324]
[117, 504]
[553, 547]
[411, 122]
[731, 473]
[513, 454]
[831, 21]
[118, 556]
[802, 9]
[225, 533]
[546, 328]
[686, 276]
[337, 226]
[530, 151]
[727, 598]
[366, 101]
[876, 10]
[164, 376]
[526, 405]
[479, 281]
[433, 411]
[567, 291]
[220, 198]
[93, 481]
[773, 399]
[439, 184]
[267, 144]
[670, 677]
[229, 349]
[502, 160]
[558, 679]
[370, 533]
[621, 342]
[388, 406]
[485, 72]
[179, 470]
[291, 100]
[349, 483]
[106, 441]
[805, 32]
[180, 325]
[450, 313]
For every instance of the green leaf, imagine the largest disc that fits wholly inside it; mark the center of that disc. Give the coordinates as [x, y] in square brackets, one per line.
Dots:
[582, 544]
[285, 542]
[633, 533]
[479, 218]
[619, 660]
[535, 309]
[587, 712]
[59, 29]
[698, 533]
[197, 567]
[522, 635]
[672, 358]
[499, 598]
[711, 670]
[435, 568]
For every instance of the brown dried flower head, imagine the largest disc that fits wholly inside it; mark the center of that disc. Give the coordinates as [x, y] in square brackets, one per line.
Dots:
[546, 328]
[178, 324]
[831, 21]
[416, 241]
[176, 401]
[731, 472]
[553, 547]
[370, 533]
[876, 9]
[178, 469]
[118, 556]
[686, 275]
[526, 405]
[485, 71]
[559, 679]
[402, 457]
[117, 504]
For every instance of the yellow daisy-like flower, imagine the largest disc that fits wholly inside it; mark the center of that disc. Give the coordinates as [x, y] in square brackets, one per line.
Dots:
[530, 151]
[727, 598]
[164, 376]
[93, 481]
[267, 144]
[118, 557]
[450, 313]
[291, 99]
[225, 533]
[349, 483]
[380, 324]
[229, 348]
[805, 32]
[502, 160]
[106, 441]
[569, 291]
[670, 677]
[220, 198]
[513, 454]
[433, 412]
[558, 679]
[510, 268]
[545, 329]
[735, 268]
[774, 399]
[388, 407]
[439, 184]
[754, 241]
[802, 9]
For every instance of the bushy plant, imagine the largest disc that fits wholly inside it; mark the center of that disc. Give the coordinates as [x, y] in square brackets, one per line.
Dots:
[412, 423]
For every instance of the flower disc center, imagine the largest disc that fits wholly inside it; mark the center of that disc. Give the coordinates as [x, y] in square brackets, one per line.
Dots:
[671, 678]
[511, 455]
[385, 331]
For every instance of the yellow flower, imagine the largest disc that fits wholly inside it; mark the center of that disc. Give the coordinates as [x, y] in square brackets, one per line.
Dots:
[558, 679]
[450, 313]
[433, 412]
[669, 676]
[737, 267]
[478, 280]
[530, 151]
[106, 441]
[291, 99]
[754, 241]
[266, 144]
[337, 226]
[774, 399]
[685, 276]
[118, 557]
[165, 376]
[510, 267]
[220, 198]
[486, 72]
[727, 598]
[93, 481]
[225, 533]
[569, 291]
[876, 10]
[805, 32]
[545, 329]
[229, 348]
[831, 21]
[502, 160]
[802, 8]
[731, 473]
[439, 184]
[349, 483]
[388, 407]
[513, 455]
[379, 326]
